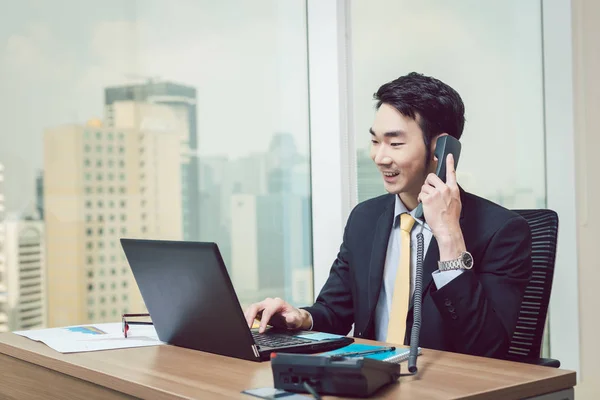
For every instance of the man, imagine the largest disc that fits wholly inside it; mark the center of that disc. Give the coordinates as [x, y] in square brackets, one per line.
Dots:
[478, 254]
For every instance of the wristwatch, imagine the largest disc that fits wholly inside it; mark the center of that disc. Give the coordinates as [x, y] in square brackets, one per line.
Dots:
[464, 261]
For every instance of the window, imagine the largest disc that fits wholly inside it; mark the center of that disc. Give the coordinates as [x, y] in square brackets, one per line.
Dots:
[103, 314]
[101, 261]
[113, 286]
[90, 272]
[89, 231]
[102, 284]
[88, 190]
[90, 261]
[91, 315]
[270, 129]
[100, 231]
[90, 301]
[113, 271]
[100, 218]
[90, 287]
[102, 274]
[102, 300]
[87, 162]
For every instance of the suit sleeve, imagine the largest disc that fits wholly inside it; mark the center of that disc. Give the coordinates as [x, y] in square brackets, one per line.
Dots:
[333, 310]
[481, 306]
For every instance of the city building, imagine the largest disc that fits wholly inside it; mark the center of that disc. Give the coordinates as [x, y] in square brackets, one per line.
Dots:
[25, 272]
[182, 100]
[100, 184]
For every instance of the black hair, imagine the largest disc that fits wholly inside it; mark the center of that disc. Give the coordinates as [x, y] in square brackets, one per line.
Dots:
[435, 106]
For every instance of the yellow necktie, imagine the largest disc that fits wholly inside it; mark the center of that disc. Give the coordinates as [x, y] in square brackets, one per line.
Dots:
[401, 296]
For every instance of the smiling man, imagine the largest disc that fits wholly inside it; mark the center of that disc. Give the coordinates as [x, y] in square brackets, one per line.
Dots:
[477, 253]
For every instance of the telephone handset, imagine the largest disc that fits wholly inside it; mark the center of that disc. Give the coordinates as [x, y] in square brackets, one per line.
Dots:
[444, 145]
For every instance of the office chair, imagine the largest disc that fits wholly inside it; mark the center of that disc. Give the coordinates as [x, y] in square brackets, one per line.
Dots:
[526, 342]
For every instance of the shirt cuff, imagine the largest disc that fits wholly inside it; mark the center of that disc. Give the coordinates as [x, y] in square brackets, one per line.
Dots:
[311, 321]
[442, 278]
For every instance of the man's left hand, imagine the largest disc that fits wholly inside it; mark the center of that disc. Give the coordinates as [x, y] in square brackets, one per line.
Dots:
[441, 207]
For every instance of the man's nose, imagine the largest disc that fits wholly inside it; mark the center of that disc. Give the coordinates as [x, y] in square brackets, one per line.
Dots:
[381, 157]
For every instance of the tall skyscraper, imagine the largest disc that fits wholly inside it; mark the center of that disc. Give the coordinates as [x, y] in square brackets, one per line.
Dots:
[181, 99]
[101, 184]
[39, 194]
[26, 273]
[3, 283]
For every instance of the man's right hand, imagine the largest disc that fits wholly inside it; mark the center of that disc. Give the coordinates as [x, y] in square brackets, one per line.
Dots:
[277, 313]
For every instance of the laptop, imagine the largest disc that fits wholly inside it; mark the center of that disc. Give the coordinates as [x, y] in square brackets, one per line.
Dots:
[192, 303]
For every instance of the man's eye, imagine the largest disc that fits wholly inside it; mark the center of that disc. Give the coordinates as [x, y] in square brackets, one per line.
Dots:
[374, 141]
[397, 144]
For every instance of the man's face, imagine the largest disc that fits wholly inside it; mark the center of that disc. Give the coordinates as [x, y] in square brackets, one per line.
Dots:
[398, 150]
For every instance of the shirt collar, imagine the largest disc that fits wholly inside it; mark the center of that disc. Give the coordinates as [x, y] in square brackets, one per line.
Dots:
[400, 208]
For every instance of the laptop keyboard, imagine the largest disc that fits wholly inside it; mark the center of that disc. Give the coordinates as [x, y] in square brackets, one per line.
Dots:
[277, 339]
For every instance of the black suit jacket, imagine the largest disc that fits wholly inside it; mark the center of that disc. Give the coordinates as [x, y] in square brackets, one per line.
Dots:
[475, 313]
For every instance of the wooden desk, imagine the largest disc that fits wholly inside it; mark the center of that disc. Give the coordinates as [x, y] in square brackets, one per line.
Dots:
[31, 370]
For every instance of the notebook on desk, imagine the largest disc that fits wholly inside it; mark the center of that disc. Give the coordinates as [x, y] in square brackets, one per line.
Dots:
[397, 355]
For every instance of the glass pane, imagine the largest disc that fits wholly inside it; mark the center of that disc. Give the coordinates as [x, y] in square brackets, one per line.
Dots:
[491, 53]
[189, 123]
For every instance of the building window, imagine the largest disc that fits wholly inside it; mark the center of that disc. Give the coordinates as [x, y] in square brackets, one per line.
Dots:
[103, 314]
[123, 204]
[124, 297]
[100, 204]
[87, 148]
[90, 245]
[122, 177]
[88, 190]
[100, 218]
[100, 189]
[101, 261]
[99, 176]
[122, 189]
[87, 134]
[100, 245]
[111, 190]
[88, 218]
[109, 149]
[90, 287]
[102, 284]
[121, 136]
[98, 135]
[110, 136]
[88, 176]
[91, 316]
[90, 272]
[124, 270]
[122, 163]
[113, 271]
[112, 217]
[88, 204]
[111, 176]
[90, 261]
[99, 163]
[112, 232]
[102, 300]
[90, 301]
[89, 231]
[110, 162]
[144, 229]
[113, 259]
[111, 204]
[124, 284]
[114, 312]
[113, 286]
[87, 162]
[102, 274]
[100, 231]
[121, 149]
[123, 230]
[114, 299]
[99, 149]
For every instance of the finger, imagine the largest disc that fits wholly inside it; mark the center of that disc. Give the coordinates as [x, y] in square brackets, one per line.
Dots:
[252, 312]
[434, 180]
[266, 316]
[427, 189]
[450, 171]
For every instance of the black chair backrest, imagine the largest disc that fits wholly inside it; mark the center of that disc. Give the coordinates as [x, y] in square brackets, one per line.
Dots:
[527, 338]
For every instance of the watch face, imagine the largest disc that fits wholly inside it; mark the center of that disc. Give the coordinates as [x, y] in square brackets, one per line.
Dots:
[467, 260]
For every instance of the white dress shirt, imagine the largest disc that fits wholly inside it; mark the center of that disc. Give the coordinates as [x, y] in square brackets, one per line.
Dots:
[392, 261]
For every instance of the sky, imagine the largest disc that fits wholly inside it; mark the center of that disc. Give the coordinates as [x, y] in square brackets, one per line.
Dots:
[246, 59]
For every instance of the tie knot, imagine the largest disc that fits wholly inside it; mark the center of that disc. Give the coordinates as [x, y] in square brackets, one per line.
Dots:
[406, 222]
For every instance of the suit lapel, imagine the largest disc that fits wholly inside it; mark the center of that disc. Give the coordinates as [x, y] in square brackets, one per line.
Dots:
[378, 253]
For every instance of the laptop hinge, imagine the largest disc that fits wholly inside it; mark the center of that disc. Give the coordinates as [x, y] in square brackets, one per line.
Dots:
[255, 350]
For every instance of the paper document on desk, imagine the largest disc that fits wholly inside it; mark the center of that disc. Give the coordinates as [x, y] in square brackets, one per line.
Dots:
[94, 337]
